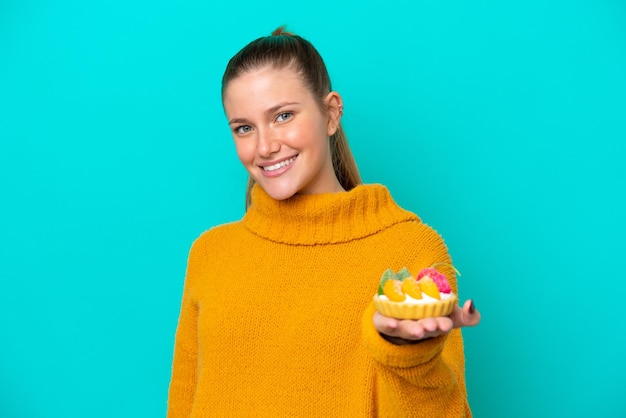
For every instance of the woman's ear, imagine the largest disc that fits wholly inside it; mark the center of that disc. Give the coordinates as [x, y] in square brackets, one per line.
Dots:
[334, 106]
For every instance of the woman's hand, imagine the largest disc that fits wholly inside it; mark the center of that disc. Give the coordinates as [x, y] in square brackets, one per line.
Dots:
[407, 331]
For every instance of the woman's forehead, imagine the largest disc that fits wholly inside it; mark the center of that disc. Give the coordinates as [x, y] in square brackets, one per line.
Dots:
[265, 85]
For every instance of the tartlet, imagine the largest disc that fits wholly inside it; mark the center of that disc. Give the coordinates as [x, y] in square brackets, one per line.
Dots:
[401, 295]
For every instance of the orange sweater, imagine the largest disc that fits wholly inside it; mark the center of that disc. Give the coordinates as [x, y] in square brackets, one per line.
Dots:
[276, 317]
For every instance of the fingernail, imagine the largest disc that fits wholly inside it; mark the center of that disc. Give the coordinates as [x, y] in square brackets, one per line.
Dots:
[472, 308]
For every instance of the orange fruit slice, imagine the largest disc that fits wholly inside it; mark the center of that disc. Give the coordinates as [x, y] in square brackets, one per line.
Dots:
[428, 286]
[411, 288]
[393, 290]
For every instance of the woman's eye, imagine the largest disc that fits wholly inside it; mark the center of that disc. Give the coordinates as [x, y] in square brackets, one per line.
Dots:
[284, 116]
[243, 129]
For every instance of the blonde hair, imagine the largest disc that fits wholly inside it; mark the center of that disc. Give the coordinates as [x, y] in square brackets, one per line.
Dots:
[284, 49]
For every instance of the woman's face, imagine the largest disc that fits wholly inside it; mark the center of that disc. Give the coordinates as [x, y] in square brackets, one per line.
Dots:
[280, 132]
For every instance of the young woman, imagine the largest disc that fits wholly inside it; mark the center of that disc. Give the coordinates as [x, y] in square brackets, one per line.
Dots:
[277, 316]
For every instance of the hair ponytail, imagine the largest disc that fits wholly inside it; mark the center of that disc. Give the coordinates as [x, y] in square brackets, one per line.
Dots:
[344, 163]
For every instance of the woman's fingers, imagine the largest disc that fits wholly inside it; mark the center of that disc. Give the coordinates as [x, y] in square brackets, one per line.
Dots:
[386, 325]
[412, 330]
[409, 330]
[468, 316]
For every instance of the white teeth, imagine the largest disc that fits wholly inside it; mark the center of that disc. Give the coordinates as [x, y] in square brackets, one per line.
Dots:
[279, 165]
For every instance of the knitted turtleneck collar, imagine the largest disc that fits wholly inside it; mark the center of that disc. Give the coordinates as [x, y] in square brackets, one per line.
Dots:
[324, 218]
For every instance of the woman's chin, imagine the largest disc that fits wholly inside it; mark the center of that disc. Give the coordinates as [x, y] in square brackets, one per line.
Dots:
[277, 191]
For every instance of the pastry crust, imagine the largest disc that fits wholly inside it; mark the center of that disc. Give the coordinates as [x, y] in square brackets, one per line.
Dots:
[403, 310]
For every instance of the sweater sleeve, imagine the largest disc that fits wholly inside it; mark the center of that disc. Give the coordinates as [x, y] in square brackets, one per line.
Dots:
[184, 367]
[424, 379]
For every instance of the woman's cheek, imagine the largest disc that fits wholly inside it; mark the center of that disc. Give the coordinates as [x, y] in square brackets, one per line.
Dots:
[245, 151]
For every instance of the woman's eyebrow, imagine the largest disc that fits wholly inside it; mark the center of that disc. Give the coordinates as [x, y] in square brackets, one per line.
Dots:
[237, 120]
[274, 109]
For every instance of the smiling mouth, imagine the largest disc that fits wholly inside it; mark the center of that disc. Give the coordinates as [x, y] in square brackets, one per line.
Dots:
[279, 165]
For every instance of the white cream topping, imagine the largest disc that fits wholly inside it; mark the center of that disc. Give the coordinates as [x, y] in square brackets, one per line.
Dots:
[425, 298]
[279, 165]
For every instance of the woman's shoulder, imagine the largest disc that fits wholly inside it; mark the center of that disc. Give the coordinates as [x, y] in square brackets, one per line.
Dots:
[415, 229]
[220, 232]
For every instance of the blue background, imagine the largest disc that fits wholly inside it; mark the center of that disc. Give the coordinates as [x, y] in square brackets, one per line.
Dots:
[500, 123]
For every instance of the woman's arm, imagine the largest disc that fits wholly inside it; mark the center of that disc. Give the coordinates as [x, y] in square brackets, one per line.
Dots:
[185, 364]
[418, 379]
[183, 383]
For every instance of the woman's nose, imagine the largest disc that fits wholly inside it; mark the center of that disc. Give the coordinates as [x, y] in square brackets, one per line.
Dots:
[267, 144]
